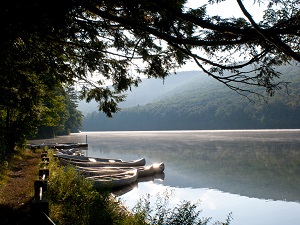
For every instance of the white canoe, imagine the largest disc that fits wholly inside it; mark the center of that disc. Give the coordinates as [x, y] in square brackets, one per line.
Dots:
[99, 171]
[143, 171]
[133, 163]
[86, 159]
[70, 152]
[114, 180]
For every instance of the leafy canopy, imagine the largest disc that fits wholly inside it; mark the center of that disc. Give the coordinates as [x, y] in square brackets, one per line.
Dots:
[72, 41]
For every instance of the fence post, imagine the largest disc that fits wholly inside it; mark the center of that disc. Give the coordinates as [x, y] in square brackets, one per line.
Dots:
[39, 187]
[39, 207]
[43, 174]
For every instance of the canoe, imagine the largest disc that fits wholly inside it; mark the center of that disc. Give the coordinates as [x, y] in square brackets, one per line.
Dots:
[99, 171]
[102, 170]
[86, 159]
[69, 152]
[114, 180]
[143, 171]
[59, 145]
[133, 163]
[70, 145]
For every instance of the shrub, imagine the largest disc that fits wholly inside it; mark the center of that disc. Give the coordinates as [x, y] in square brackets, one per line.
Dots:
[73, 200]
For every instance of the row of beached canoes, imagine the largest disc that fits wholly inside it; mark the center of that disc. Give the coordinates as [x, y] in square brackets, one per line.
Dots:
[111, 173]
[69, 145]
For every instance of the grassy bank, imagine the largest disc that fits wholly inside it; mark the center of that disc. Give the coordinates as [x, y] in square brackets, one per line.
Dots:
[73, 200]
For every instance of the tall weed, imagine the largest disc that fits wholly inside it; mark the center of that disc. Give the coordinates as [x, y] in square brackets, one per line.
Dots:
[73, 200]
[185, 213]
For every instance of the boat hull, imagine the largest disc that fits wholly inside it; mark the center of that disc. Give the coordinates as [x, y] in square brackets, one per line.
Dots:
[113, 181]
[86, 159]
[138, 162]
[143, 171]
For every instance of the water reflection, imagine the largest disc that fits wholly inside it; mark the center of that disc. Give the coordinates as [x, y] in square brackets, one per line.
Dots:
[258, 170]
[262, 165]
[219, 205]
[157, 178]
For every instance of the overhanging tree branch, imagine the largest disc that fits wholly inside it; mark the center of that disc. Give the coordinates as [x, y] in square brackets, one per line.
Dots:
[274, 39]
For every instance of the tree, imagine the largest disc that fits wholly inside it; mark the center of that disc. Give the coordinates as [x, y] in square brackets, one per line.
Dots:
[74, 122]
[20, 102]
[54, 114]
[59, 115]
[59, 42]
[110, 38]
[137, 26]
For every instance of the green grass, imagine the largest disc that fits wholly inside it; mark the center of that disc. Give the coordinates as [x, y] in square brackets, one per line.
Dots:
[73, 200]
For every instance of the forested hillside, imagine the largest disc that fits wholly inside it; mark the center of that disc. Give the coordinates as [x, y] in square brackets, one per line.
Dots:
[199, 102]
[149, 90]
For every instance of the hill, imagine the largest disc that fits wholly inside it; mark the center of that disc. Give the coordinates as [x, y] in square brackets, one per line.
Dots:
[191, 100]
[147, 91]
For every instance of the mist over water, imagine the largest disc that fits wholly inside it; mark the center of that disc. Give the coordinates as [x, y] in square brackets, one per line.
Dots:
[255, 174]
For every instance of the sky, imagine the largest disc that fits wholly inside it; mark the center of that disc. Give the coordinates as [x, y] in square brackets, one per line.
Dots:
[230, 8]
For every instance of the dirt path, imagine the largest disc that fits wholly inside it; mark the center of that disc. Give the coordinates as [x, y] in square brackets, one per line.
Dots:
[17, 192]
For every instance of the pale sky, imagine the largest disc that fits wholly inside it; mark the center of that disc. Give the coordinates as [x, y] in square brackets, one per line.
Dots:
[230, 8]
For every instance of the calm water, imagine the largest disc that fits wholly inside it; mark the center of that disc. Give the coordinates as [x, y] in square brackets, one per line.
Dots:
[255, 175]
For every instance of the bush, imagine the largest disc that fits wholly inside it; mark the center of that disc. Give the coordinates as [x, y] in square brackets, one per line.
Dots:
[73, 200]
[185, 213]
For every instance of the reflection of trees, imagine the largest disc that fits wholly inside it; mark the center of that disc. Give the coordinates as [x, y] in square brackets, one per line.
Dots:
[255, 170]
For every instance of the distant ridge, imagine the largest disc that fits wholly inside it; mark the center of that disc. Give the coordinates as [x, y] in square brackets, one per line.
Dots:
[192, 100]
[149, 90]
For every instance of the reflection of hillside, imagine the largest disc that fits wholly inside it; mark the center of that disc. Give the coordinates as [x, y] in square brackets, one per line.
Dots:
[256, 170]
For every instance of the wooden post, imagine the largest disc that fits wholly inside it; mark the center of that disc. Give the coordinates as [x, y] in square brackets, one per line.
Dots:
[45, 159]
[39, 207]
[39, 187]
[43, 172]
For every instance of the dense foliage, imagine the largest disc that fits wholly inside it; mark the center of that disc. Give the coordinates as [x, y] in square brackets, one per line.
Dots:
[41, 113]
[60, 115]
[47, 44]
[203, 104]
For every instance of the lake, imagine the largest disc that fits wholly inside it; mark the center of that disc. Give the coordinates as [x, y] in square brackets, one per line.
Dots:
[253, 174]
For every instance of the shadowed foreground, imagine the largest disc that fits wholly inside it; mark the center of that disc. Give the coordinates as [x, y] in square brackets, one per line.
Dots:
[16, 189]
